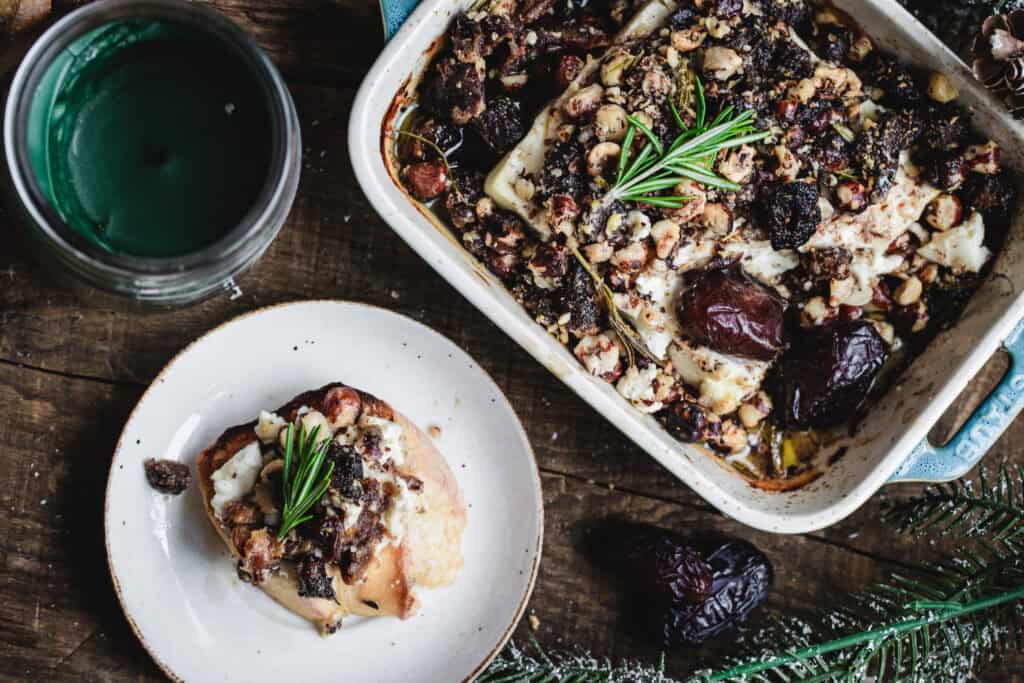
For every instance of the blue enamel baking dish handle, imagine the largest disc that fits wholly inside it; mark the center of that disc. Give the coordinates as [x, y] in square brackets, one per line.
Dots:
[394, 12]
[926, 462]
[984, 427]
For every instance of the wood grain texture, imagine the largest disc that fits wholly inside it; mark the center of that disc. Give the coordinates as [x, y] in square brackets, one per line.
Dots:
[73, 364]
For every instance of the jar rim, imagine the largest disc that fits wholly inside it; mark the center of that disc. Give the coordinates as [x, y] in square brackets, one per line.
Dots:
[241, 240]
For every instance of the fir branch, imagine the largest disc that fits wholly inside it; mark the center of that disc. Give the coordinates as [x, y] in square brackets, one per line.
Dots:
[981, 509]
[516, 665]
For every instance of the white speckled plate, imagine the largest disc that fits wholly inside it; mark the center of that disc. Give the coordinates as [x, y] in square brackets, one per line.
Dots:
[174, 577]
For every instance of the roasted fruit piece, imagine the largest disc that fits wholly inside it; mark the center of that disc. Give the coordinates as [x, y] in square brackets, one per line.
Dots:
[826, 374]
[729, 312]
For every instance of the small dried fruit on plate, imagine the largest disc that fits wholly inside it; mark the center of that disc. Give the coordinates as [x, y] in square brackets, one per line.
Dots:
[168, 476]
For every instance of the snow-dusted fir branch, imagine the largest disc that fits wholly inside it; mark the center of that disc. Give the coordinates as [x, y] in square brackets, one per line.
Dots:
[939, 624]
[985, 508]
[535, 665]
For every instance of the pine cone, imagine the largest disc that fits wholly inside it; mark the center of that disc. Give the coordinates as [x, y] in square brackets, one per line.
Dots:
[999, 58]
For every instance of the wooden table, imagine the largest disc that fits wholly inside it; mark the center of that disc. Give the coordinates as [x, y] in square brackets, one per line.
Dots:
[72, 367]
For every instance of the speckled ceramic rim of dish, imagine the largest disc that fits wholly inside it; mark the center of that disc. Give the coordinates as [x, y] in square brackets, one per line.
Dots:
[534, 566]
[274, 200]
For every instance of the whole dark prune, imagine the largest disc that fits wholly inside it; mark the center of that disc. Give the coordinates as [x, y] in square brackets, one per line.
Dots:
[724, 9]
[896, 82]
[579, 297]
[992, 195]
[834, 44]
[945, 170]
[675, 571]
[741, 578]
[730, 312]
[314, 582]
[348, 469]
[167, 476]
[682, 16]
[826, 373]
[689, 423]
[876, 151]
[500, 126]
[792, 213]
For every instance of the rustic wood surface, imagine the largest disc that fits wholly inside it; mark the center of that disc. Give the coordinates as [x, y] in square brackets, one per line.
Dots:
[73, 365]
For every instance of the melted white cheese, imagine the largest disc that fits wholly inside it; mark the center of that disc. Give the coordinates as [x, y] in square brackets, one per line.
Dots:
[638, 387]
[867, 235]
[723, 381]
[236, 478]
[759, 260]
[269, 426]
[390, 437]
[960, 248]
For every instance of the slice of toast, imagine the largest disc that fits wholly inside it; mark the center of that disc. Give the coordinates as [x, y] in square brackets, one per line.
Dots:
[428, 554]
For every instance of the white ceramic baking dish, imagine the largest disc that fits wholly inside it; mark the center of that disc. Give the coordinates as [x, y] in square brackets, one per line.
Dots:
[890, 445]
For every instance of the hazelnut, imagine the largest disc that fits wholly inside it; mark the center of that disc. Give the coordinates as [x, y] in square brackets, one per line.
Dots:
[599, 252]
[786, 110]
[929, 273]
[721, 63]
[739, 165]
[614, 65]
[940, 88]
[569, 67]
[816, 312]
[755, 409]
[689, 39]
[342, 406]
[484, 208]
[427, 179]
[885, 331]
[514, 82]
[717, 28]
[666, 236]
[610, 123]
[694, 206]
[600, 155]
[983, 158]
[943, 212]
[584, 101]
[600, 356]
[631, 258]
[851, 195]
[639, 224]
[717, 218]
[909, 291]
[787, 165]
[860, 48]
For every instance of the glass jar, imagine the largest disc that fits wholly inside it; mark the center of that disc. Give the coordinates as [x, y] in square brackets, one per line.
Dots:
[163, 279]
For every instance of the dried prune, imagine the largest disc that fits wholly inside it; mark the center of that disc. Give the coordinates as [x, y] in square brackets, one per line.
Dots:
[876, 151]
[731, 312]
[792, 214]
[741, 577]
[167, 476]
[579, 297]
[992, 195]
[563, 170]
[348, 469]
[500, 126]
[689, 423]
[670, 570]
[834, 43]
[896, 82]
[314, 582]
[826, 373]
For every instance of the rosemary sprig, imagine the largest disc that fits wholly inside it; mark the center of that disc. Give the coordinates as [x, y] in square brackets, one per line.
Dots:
[626, 333]
[305, 477]
[690, 156]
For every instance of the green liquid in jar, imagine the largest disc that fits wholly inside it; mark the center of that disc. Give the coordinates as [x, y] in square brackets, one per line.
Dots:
[150, 138]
